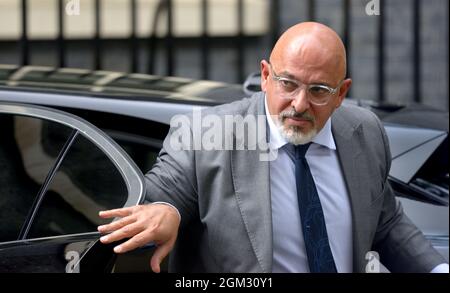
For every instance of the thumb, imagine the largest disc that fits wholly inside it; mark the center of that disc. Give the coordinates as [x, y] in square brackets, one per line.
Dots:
[160, 253]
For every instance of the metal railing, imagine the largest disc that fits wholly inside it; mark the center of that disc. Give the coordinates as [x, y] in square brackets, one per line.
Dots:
[166, 7]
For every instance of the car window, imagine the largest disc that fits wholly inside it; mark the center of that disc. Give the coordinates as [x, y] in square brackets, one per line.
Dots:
[143, 154]
[28, 150]
[142, 139]
[57, 172]
[85, 183]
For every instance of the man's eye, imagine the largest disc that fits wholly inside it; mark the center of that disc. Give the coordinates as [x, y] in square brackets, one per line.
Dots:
[288, 85]
[319, 91]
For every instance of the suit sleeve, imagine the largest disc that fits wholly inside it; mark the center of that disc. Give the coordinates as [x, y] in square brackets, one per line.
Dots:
[401, 245]
[172, 178]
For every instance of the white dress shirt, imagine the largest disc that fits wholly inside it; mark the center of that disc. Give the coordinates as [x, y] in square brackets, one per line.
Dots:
[289, 253]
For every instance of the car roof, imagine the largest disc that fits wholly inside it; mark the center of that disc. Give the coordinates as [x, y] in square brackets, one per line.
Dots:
[176, 90]
[118, 84]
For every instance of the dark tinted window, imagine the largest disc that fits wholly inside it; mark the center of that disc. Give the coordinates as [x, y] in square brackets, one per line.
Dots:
[28, 150]
[432, 180]
[86, 182]
[142, 139]
[142, 153]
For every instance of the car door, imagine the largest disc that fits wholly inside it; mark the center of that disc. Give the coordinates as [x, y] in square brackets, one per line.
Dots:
[57, 172]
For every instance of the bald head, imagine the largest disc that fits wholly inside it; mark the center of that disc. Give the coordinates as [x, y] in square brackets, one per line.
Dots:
[311, 44]
[306, 54]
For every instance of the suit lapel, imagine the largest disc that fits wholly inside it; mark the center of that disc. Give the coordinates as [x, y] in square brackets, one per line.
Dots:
[252, 189]
[349, 148]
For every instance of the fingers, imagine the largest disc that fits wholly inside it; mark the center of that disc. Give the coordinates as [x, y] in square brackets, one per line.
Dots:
[123, 212]
[116, 225]
[136, 241]
[127, 231]
[143, 224]
[160, 253]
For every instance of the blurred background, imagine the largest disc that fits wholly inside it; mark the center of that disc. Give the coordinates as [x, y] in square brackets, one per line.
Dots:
[397, 49]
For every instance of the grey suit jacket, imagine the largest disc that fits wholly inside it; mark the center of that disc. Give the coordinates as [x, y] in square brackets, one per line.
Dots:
[225, 203]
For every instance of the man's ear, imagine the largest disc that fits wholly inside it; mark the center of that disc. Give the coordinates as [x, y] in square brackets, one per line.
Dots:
[264, 74]
[345, 87]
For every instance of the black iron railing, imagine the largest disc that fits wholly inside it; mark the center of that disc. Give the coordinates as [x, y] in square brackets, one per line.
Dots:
[165, 7]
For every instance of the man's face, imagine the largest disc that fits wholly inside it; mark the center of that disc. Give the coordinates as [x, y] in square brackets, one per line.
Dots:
[297, 117]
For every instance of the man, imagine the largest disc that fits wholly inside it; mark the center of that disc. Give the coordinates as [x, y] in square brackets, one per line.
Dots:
[320, 206]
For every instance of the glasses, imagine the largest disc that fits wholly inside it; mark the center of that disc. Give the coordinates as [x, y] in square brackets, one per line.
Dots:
[317, 94]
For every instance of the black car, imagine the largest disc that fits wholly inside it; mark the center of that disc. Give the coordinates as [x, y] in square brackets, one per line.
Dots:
[58, 170]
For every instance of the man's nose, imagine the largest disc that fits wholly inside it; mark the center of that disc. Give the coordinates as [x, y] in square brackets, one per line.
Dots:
[300, 101]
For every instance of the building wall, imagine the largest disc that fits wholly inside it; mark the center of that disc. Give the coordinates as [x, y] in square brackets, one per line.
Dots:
[363, 52]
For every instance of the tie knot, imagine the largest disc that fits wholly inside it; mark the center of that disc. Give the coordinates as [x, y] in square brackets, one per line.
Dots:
[301, 149]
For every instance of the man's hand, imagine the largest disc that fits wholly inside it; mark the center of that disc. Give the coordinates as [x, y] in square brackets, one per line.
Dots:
[156, 223]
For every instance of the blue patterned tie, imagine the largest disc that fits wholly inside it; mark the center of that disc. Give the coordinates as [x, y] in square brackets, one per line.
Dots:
[318, 250]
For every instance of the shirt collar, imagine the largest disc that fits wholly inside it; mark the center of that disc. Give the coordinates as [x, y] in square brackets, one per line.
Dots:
[324, 137]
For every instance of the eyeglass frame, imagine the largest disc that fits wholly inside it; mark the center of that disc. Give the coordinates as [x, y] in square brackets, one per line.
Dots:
[332, 91]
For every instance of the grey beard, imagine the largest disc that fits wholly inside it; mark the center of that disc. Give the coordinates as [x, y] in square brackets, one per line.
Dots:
[293, 135]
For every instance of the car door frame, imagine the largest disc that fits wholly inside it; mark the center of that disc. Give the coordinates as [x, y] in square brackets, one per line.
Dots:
[132, 176]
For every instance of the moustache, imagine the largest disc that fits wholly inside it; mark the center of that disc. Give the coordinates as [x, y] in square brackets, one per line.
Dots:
[294, 114]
